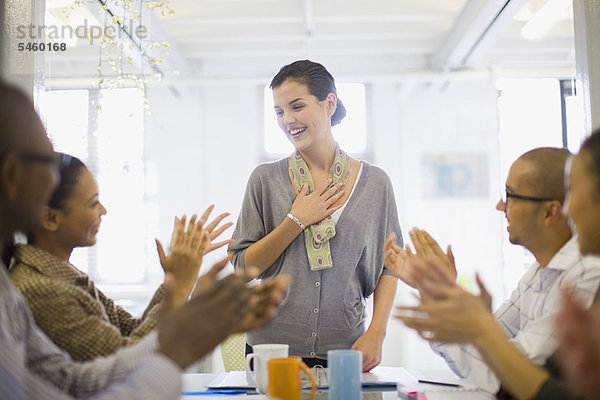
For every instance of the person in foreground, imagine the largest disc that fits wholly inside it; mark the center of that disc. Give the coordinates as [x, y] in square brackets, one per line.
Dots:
[533, 208]
[31, 366]
[65, 303]
[322, 217]
[578, 328]
[457, 316]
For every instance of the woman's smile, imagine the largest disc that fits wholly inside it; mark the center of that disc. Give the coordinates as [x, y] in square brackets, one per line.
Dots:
[296, 132]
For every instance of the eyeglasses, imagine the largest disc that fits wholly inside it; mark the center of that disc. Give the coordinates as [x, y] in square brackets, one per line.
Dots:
[60, 160]
[41, 158]
[508, 195]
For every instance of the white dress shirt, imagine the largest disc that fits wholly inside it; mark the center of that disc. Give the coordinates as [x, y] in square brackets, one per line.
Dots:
[527, 316]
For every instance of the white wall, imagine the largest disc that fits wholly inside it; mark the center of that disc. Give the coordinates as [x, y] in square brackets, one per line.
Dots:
[205, 144]
[408, 121]
[207, 141]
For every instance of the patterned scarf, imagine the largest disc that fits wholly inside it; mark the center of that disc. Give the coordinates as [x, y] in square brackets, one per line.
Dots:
[316, 236]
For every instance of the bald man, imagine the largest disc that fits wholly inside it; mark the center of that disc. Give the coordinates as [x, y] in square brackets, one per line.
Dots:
[532, 206]
[31, 366]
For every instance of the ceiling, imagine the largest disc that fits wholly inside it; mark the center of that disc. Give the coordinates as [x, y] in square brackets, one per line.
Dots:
[233, 40]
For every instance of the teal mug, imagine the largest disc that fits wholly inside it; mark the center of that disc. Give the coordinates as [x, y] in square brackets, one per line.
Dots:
[344, 372]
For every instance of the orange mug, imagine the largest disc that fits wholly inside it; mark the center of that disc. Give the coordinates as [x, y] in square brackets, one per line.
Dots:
[284, 378]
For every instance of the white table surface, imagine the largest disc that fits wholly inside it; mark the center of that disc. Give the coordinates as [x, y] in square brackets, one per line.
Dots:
[198, 382]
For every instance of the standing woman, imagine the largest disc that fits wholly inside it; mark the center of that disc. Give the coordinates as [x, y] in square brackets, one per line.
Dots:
[321, 217]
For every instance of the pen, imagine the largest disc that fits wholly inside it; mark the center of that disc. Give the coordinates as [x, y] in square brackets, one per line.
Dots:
[440, 383]
[215, 391]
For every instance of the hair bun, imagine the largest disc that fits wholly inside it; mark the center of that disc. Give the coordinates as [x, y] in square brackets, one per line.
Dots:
[339, 114]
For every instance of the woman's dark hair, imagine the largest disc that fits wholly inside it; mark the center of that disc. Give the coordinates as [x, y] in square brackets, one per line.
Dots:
[7, 250]
[591, 146]
[318, 80]
[69, 169]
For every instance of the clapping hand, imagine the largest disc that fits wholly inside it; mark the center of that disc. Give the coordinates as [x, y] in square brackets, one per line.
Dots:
[396, 259]
[217, 308]
[264, 298]
[577, 330]
[214, 230]
[187, 248]
[190, 330]
[447, 312]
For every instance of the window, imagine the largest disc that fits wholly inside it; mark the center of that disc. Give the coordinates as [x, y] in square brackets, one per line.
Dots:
[530, 116]
[533, 113]
[351, 133]
[105, 128]
[572, 115]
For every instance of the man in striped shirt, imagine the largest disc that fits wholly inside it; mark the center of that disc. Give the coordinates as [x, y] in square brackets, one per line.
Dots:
[532, 205]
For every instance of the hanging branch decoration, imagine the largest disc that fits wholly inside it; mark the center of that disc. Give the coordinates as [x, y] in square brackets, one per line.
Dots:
[127, 53]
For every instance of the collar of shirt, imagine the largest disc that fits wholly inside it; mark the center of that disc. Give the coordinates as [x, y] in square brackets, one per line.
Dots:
[48, 264]
[591, 259]
[563, 259]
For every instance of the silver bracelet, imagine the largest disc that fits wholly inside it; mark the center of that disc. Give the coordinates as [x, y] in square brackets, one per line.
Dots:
[297, 221]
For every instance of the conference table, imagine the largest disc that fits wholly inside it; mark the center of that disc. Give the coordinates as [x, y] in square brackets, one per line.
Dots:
[376, 386]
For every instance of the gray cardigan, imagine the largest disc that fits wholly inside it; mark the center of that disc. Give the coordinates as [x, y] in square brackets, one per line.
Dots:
[324, 309]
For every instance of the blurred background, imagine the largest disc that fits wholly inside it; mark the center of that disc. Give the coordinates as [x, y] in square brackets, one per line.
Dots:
[167, 102]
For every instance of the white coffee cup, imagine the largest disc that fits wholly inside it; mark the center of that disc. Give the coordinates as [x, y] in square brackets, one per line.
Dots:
[261, 354]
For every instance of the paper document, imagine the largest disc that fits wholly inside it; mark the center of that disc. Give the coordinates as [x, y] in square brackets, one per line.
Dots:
[230, 380]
